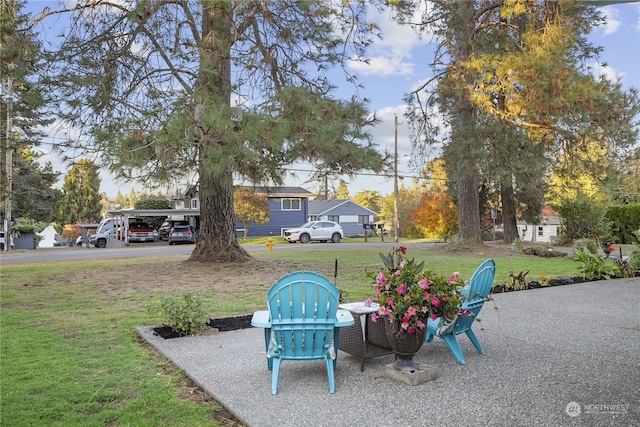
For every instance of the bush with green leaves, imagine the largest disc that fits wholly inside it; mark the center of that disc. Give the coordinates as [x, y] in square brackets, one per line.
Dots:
[582, 217]
[634, 258]
[582, 244]
[593, 266]
[543, 251]
[183, 311]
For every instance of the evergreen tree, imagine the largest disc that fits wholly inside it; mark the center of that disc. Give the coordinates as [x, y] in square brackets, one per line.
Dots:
[514, 94]
[82, 198]
[23, 103]
[132, 199]
[158, 78]
[33, 194]
[342, 192]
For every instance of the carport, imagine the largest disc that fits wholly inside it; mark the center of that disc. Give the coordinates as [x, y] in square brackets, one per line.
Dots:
[122, 216]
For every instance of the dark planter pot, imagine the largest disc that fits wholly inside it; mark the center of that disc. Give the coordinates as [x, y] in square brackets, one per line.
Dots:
[404, 345]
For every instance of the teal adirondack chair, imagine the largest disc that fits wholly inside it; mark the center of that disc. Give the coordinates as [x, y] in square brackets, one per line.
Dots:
[475, 294]
[303, 307]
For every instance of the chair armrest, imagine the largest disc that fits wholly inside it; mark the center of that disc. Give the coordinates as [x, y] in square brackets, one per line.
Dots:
[260, 319]
[344, 318]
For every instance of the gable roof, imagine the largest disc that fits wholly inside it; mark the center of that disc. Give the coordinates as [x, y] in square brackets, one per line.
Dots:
[338, 207]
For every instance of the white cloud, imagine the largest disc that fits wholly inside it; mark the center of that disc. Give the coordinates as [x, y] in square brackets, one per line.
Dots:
[383, 66]
[604, 70]
[613, 21]
[390, 55]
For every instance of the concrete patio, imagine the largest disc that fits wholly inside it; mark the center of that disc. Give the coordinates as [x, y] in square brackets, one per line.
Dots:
[567, 355]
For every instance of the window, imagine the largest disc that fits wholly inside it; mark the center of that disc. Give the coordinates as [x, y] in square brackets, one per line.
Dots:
[363, 219]
[334, 218]
[313, 217]
[540, 231]
[290, 204]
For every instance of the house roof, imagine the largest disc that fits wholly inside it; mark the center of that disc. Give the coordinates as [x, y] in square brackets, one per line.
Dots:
[547, 217]
[337, 207]
[283, 191]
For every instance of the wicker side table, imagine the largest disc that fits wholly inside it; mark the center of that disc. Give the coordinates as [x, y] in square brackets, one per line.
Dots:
[366, 338]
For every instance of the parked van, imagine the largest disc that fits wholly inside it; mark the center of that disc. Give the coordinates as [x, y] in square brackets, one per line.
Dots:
[108, 229]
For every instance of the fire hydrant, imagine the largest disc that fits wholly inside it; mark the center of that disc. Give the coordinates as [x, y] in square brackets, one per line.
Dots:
[269, 244]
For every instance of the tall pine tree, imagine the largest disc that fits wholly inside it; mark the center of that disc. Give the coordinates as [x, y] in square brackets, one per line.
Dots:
[81, 189]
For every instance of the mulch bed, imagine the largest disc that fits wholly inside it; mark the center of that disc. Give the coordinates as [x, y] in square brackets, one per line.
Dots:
[215, 325]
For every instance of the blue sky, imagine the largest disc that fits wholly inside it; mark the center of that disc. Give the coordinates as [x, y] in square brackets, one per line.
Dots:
[400, 61]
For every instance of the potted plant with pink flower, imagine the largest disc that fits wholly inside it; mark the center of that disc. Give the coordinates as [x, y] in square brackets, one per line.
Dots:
[407, 297]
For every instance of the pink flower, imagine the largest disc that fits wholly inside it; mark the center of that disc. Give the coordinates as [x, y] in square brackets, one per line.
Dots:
[421, 325]
[383, 311]
[390, 301]
[434, 316]
[374, 317]
[402, 289]
[412, 330]
[424, 284]
[381, 278]
[404, 325]
[454, 277]
[396, 273]
[367, 302]
[435, 301]
[411, 311]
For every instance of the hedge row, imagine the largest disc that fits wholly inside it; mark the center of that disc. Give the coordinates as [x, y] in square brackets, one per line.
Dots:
[625, 221]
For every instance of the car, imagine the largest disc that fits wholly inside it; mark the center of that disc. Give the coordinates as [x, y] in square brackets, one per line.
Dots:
[182, 234]
[140, 232]
[165, 228]
[99, 240]
[315, 230]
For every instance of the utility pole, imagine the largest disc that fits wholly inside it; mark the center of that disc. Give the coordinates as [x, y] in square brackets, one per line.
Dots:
[9, 167]
[396, 223]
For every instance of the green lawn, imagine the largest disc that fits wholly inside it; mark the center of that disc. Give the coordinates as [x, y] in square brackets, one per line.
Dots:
[70, 354]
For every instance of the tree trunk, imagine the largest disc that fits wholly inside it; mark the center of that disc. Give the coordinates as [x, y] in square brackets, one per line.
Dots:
[217, 240]
[508, 213]
[463, 137]
[469, 231]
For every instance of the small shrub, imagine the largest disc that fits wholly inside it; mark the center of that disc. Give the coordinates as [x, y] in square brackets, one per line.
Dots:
[517, 282]
[544, 252]
[595, 267]
[582, 244]
[626, 270]
[182, 311]
[518, 245]
[634, 258]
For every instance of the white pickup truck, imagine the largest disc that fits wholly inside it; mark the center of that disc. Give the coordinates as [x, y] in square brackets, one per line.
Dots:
[2, 233]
